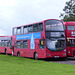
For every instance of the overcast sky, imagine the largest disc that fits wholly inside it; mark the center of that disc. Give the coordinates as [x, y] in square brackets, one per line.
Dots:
[19, 12]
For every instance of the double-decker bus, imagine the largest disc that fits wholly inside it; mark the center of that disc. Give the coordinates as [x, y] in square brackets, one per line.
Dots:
[5, 44]
[70, 37]
[45, 39]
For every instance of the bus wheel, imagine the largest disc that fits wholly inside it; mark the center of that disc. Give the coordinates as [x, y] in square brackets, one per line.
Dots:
[5, 52]
[36, 56]
[18, 54]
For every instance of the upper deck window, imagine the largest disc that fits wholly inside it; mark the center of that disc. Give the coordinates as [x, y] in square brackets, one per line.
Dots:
[30, 28]
[14, 31]
[40, 26]
[18, 30]
[54, 25]
[70, 27]
[35, 27]
[21, 30]
[25, 29]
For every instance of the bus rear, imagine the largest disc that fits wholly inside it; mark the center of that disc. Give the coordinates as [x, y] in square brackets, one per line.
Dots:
[55, 39]
[5, 44]
[70, 38]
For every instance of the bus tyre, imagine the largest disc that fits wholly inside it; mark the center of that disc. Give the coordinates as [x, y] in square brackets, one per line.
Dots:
[5, 52]
[36, 56]
[18, 54]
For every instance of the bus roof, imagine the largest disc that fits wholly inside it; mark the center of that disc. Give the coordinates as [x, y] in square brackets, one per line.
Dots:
[5, 37]
[70, 23]
[36, 22]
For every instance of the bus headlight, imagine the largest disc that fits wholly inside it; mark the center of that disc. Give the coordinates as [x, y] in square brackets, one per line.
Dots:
[68, 39]
[68, 51]
[65, 50]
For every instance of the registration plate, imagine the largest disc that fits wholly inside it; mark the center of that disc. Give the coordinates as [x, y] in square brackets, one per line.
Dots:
[56, 56]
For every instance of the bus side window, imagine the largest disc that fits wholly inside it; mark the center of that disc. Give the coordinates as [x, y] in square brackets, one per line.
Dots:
[40, 26]
[65, 27]
[25, 44]
[10, 44]
[30, 28]
[14, 31]
[21, 44]
[18, 30]
[70, 27]
[35, 27]
[7, 44]
[21, 30]
[42, 43]
[25, 29]
[4, 44]
[18, 44]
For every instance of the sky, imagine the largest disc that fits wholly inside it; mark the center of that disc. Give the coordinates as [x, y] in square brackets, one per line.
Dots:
[20, 12]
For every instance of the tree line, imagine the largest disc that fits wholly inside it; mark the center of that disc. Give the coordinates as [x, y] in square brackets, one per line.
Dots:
[69, 11]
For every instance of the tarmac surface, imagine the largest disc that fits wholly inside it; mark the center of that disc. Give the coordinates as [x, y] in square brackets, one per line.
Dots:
[70, 60]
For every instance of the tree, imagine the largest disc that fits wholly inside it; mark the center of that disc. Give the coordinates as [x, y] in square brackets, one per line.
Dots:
[69, 11]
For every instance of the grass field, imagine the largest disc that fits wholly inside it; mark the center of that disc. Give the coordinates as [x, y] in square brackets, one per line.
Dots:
[10, 65]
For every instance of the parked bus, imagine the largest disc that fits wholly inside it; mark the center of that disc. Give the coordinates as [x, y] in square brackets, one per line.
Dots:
[70, 37]
[5, 44]
[45, 39]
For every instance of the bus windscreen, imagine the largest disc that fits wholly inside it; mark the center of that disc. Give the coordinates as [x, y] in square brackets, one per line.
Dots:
[55, 37]
[54, 25]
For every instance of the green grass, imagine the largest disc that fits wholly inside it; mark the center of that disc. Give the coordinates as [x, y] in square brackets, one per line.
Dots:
[10, 65]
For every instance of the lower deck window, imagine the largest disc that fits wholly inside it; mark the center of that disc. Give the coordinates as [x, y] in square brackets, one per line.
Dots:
[5, 43]
[21, 44]
[55, 44]
[25, 45]
[70, 42]
[18, 44]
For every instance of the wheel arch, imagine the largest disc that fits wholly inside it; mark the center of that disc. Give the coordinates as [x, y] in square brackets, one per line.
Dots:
[34, 54]
[18, 53]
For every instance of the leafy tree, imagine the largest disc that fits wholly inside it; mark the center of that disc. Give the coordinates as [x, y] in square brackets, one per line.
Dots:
[69, 11]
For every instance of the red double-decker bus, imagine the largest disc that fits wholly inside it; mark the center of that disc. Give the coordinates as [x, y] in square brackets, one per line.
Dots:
[45, 39]
[6, 44]
[70, 37]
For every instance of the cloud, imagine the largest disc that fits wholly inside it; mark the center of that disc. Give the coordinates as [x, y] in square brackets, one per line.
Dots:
[19, 12]
[2, 32]
[5, 3]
